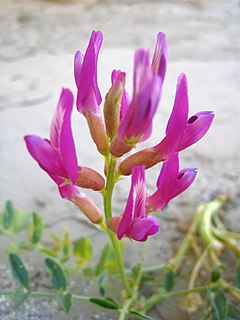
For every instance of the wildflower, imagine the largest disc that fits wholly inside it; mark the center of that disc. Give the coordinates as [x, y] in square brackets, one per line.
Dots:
[181, 132]
[136, 124]
[171, 182]
[134, 222]
[88, 95]
[57, 156]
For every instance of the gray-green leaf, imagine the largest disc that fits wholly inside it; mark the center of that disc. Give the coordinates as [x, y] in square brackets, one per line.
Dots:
[58, 276]
[105, 303]
[19, 271]
[65, 301]
[219, 303]
[19, 298]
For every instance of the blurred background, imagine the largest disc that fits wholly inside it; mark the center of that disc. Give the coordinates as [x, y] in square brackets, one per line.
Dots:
[38, 40]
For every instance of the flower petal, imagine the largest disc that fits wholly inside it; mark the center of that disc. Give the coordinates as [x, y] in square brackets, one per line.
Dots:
[89, 97]
[46, 156]
[184, 180]
[159, 62]
[166, 184]
[136, 203]
[78, 61]
[178, 119]
[61, 135]
[197, 126]
[140, 229]
[136, 125]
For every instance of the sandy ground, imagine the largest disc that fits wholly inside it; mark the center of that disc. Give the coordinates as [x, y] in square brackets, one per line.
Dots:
[37, 43]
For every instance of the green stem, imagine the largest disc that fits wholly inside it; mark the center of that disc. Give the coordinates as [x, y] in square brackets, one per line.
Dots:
[157, 298]
[44, 294]
[124, 310]
[108, 215]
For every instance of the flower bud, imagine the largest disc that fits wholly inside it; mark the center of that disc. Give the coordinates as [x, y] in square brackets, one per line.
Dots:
[98, 132]
[88, 207]
[112, 105]
[147, 157]
[119, 148]
[90, 179]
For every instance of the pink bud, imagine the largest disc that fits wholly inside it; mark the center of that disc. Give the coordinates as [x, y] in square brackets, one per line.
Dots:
[90, 179]
[88, 207]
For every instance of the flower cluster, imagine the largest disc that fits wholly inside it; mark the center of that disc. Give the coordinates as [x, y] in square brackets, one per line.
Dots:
[126, 122]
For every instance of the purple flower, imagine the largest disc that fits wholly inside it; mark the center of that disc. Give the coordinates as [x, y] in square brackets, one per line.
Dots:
[85, 71]
[58, 156]
[89, 96]
[170, 183]
[135, 223]
[136, 124]
[181, 132]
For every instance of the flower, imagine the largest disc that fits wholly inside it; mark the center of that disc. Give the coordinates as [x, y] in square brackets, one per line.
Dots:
[85, 72]
[88, 95]
[134, 222]
[181, 132]
[171, 182]
[136, 124]
[57, 157]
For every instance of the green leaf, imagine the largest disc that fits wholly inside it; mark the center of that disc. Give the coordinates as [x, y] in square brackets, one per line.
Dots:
[169, 278]
[66, 246]
[105, 303]
[233, 312]
[36, 228]
[1, 231]
[21, 220]
[139, 315]
[49, 252]
[83, 250]
[19, 298]
[219, 303]
[58, 276]
[106, 259]
[19, 271]
[8, 215]
[65, 301]
[237, 274]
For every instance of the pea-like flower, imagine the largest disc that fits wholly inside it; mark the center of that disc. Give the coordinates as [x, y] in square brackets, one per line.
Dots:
[134, 223]
[136, 124]
[181, 132]
[57, 157]
[171, 182]
[88, 95]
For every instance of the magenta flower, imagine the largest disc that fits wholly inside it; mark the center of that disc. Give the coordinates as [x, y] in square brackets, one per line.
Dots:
[136, 124]
[135, 223]
[89, 96]
[181, 132]
[58, 156]
[85, 71]
[170, 183]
